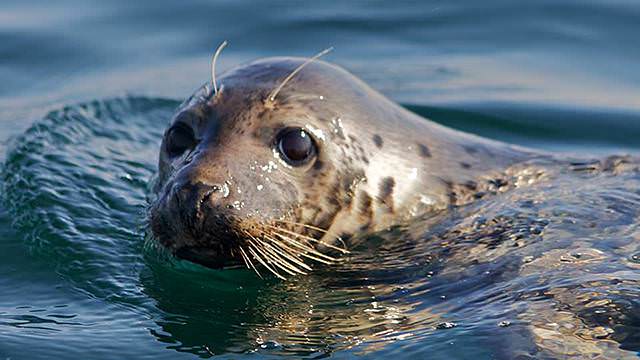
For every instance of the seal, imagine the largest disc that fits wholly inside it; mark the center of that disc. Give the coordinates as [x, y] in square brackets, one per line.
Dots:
[291, 157]
[291, 160]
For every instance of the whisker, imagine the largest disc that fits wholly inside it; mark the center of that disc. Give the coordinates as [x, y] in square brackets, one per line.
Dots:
[251, 263]
[288, 252]
[302, 224]
[272, 97]
[276, 258]
[316, 255]
[318, 259]
[339, 238]
[304, 247]
[251, 248]
[213, 66]
[243, 255]
[275, 261]
[282, 258]
[344, 251]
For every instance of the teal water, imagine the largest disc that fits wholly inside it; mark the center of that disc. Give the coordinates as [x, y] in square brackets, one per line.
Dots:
[87, 88]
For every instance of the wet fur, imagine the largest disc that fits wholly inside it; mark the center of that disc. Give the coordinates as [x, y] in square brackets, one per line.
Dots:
[378, 164]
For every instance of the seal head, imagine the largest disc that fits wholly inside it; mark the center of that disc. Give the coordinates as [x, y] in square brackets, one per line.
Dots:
[247, 178]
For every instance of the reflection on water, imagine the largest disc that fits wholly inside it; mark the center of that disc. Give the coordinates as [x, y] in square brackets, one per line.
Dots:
[547, 267]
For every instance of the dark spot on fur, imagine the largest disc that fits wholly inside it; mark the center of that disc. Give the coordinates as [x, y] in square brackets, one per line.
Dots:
[377, 140]
[318, 165]
[479, 194]
[386, 187]
[498, 183]
[465, 165]
[469, 149]
[364, 206]
[471, 185]
[333, 197]
[385, 194]
[325, 220]
[424, 151]
[453, 197]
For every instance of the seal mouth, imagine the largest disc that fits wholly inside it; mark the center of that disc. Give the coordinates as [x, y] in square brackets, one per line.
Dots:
[206, 257]
[282, 247]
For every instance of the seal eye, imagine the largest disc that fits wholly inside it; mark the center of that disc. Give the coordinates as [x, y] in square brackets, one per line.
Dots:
[296, 146]
[179, 139]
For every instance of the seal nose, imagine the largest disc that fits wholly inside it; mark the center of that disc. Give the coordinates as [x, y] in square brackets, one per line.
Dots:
[193, 197]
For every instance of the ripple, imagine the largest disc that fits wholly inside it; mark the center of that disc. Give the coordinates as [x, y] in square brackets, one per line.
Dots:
[501, 270]
[75, 183]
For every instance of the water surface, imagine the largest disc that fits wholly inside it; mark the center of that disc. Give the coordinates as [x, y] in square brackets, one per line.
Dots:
[88, 86]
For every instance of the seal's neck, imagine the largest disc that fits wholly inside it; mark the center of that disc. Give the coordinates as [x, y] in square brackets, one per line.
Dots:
[467, 167]
[412, 166]
[423, 167]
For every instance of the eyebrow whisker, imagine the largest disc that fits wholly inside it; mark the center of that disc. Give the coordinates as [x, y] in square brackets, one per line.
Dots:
[214, 60]
[272, 96]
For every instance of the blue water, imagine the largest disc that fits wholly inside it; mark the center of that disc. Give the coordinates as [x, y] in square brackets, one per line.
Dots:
[88, 86]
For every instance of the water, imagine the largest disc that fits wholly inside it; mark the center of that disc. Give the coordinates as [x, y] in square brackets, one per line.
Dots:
[87, 88]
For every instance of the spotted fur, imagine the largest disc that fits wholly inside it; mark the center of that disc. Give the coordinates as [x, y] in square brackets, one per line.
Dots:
[264, 213]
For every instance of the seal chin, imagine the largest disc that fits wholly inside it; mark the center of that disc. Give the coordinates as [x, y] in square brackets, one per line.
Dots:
[206, 257]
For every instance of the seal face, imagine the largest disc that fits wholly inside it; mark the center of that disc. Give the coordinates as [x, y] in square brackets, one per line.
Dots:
[248, 178]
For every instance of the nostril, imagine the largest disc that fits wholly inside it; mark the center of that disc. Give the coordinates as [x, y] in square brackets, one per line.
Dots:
[206, 196]
[192, 196]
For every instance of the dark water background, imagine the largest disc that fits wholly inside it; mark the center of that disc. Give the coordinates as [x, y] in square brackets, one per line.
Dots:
[75, 278]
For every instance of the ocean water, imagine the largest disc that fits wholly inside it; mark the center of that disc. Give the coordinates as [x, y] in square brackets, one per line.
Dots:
[88, 86]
